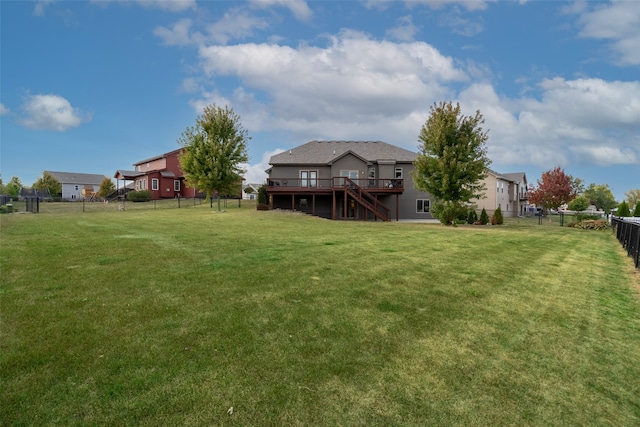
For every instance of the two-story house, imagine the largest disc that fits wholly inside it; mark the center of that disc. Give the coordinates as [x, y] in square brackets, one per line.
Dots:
[508, 191]
[161, 175]
[76, 186]
[364, 180]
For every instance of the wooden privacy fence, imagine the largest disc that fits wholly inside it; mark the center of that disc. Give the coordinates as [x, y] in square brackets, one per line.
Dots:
[628, 233]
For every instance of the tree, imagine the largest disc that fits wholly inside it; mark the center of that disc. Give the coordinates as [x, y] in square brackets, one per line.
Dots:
[452, 159]
[263, 196]
[484, 218]
[623, 209]
[636, 211]
[601, 196]
[499, 216]
[106, 187]
[633, 196]
[13, 186]
[2, 188]
[554, 189]
[214, 149]
[48, 182]
[579, 204]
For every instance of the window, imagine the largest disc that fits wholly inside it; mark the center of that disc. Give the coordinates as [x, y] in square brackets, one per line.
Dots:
[423, 205]
[398, 173]
[148, 166]
[176, 185]
[154, 183]
[76, 188]
[308, 178]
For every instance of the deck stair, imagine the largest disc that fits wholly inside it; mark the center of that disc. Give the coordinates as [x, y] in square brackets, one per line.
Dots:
[366, 200]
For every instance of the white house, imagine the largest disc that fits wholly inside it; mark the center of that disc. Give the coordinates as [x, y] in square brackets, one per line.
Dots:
[75, 186]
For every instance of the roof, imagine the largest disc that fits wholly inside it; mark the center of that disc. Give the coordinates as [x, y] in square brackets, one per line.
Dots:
[518, 177]
[77, 178]
[326, 152]
[161, 156]
[127, 175]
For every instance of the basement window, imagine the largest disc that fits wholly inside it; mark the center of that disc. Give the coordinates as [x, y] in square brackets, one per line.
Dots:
[423, 205]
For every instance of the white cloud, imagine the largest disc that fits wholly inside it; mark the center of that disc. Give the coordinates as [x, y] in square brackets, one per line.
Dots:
[168, 5]
[40, 7]
[471, 5]
[50, 112]
[352, 82]
[575, 121]
[236, 24]
[405, 30]
[4, 110]
[299, 8]
[177, 35]
[255, 173]
[618, 22]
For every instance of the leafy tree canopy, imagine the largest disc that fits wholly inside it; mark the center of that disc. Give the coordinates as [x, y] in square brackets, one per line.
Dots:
[554, 189]
[601, 196]
[13, 186]
[106, 187]
[579, 204]
[48, 182]
[452, 159]
[214, 151]
[633, 196]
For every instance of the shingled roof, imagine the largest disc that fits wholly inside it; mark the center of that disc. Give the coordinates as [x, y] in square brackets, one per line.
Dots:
[77, 178]
[326, 152]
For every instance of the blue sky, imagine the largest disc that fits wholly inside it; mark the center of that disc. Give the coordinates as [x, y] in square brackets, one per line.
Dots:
[95, 86]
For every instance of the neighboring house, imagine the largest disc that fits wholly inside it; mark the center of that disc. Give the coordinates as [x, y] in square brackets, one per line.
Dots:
[363, 180]
[251, 194]
[507, 191]
[160, 175]
[76, 186]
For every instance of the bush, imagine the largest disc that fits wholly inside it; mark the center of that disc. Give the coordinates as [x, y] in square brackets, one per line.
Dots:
[584, 217]
[262, 207]
[450, 213]
[263, 197]
[484, 218]
[139, 196]
[591, 224]
[472, 217]
[623, 210]
[499, 216]
[578, 204]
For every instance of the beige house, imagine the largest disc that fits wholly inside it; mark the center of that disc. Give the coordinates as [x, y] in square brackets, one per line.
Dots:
[507, 191]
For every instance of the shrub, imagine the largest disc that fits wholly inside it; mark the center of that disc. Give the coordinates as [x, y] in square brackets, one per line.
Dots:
[584, 217]
[578, 204]
[263, 197]
[262, 207]
[472, 217]
[484, 218]
[592, 224]
[139, 196]
[499, 216]
[623, 210]
[450, 213]
[636, 211]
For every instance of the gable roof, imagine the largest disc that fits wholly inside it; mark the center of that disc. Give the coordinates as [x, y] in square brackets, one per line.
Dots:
[517, 177]
[77, 178]
[326, 152]
[161, 156]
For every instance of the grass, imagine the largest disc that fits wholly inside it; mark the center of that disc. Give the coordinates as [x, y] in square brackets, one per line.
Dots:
[172, 317]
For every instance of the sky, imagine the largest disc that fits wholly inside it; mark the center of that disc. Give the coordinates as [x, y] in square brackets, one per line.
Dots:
[96, 86]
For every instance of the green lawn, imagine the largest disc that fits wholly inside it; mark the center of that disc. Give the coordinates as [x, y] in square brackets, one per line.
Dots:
[174, 316]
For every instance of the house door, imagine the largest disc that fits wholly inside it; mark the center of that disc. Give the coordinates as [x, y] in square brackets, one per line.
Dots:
[351, 175]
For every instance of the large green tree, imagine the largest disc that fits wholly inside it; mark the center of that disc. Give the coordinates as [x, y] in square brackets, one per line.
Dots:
[48, 182]
[554, 189]
[452, 159]
[601, 196]
[214, 151]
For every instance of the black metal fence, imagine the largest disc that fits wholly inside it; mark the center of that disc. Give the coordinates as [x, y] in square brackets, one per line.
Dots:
[628, 234]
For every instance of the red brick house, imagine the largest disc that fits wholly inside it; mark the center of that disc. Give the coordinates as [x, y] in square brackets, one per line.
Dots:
[161, 175]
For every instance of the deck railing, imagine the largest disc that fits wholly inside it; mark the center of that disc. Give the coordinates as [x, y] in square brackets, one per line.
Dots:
[333, 183]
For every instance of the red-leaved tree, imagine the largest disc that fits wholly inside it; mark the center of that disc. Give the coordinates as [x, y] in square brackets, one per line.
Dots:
[553, 190]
